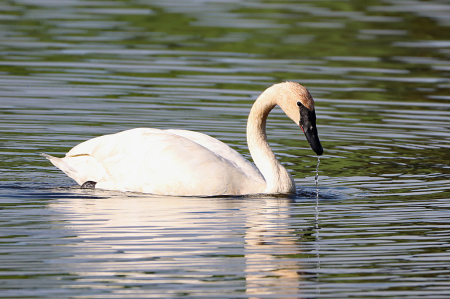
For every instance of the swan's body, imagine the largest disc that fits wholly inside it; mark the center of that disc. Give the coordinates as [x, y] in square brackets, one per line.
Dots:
[171, 162]
[180, 162]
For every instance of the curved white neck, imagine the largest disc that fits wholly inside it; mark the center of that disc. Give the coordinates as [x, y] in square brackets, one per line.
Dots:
[278, 179]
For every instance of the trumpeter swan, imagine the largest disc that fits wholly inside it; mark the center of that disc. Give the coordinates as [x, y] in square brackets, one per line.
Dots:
[180, 162]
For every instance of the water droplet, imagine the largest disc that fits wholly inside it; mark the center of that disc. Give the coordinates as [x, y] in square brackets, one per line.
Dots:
[316, 178]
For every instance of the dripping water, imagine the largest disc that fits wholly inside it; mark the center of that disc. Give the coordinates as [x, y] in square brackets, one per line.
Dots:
[316, 179]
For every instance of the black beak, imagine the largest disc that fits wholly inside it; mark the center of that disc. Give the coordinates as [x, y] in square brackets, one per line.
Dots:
[308, 126]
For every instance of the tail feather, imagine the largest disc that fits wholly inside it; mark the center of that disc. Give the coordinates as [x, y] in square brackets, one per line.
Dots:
[81, 168]
[64, 166]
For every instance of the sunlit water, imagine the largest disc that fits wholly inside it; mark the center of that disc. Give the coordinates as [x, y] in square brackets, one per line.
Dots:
[377, 225]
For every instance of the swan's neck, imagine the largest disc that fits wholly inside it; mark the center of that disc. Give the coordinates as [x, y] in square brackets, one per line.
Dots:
[278, 179]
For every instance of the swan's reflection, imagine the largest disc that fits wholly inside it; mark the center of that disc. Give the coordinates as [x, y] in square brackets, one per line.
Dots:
[269, 240]
[186, 240]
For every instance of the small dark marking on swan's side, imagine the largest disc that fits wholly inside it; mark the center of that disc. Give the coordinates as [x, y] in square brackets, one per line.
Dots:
[88, 185]
[79, 155]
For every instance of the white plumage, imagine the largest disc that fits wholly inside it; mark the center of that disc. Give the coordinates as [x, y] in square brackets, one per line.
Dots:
[180, 162]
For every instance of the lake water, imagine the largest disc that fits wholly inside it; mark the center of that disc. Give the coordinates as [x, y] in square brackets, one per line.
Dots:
[379, 72]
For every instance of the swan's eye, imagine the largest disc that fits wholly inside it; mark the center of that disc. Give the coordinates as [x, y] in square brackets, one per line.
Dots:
[299, 104]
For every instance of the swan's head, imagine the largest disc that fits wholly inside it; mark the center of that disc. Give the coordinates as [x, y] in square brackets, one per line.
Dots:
[298, 104]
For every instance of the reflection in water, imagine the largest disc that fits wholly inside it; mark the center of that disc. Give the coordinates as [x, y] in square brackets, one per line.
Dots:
[268, 236]
[175, 237]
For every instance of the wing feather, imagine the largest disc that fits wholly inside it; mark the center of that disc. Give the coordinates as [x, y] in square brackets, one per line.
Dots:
[171, 162]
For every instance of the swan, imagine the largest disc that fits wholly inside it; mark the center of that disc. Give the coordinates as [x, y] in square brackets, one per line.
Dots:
[187, 163]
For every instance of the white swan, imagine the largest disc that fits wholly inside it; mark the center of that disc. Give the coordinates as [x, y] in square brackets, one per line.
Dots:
[180, 162]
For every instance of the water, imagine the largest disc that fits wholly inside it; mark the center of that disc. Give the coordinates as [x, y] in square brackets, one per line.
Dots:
[379, 72]
[316, 179]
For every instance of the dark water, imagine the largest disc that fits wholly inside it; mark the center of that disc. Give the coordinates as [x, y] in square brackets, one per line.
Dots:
[379, 72]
